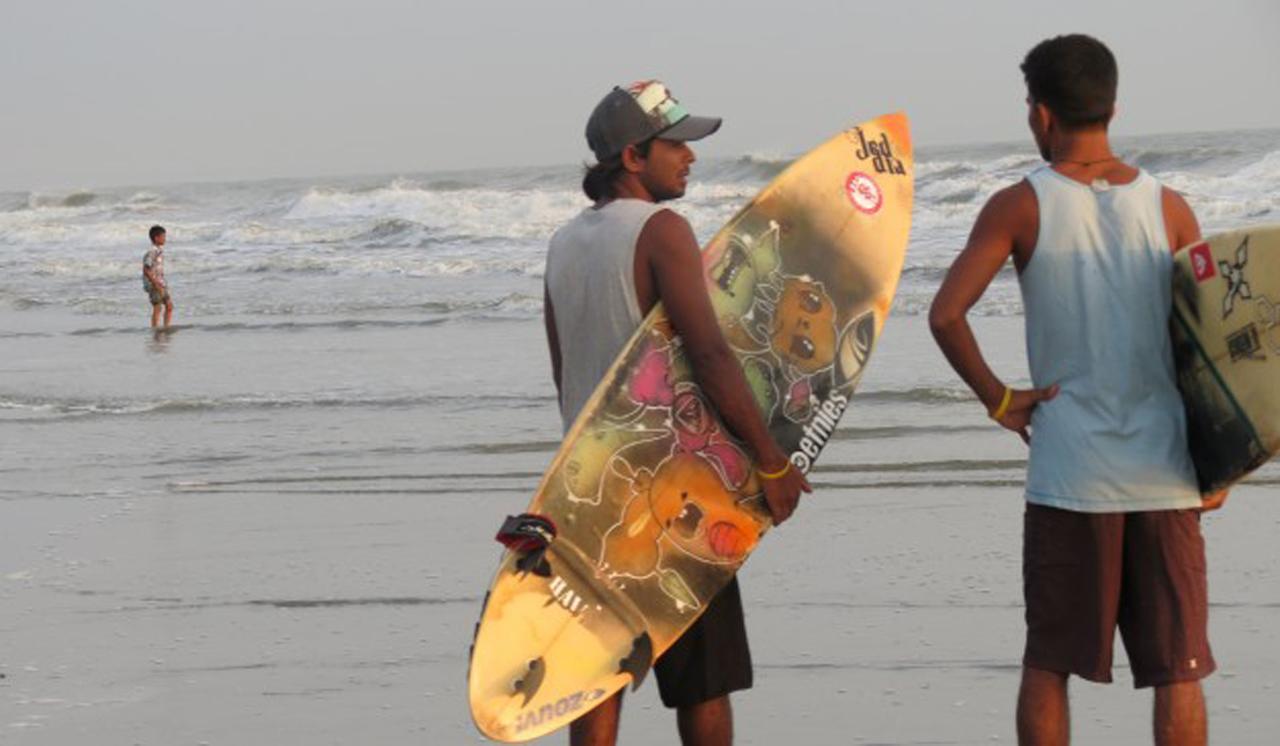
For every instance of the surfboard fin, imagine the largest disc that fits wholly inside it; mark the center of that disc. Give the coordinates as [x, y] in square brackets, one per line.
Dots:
[638, 661]
[528, 684]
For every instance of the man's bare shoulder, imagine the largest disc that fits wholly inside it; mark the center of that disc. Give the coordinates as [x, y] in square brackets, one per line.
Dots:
[665, 230]
[1016, 199]
[666, 222]
[1173, 198]
[1010, 221]
[1174, 203]
[1179, 219]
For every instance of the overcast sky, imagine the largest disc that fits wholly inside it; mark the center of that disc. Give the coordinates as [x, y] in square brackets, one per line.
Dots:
[107, 93]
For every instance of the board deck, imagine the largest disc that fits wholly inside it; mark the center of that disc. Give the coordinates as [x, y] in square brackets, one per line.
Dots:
[655, 504]
[1226, 333]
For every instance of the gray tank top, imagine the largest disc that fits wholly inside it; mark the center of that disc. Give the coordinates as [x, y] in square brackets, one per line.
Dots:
[591, 281]
[1097, 295]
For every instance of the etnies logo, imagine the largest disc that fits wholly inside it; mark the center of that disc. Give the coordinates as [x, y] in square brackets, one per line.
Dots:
[1202, 262]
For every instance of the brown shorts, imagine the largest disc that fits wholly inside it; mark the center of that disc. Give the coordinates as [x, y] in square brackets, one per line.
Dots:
[1084, 574]
[158, 296]
[711, 658]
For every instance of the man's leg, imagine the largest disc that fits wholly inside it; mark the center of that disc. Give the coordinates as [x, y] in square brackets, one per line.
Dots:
[1044, 717]
[155, 315]
[1180, 719]
[707, 723]
[598, 727]
[1071, 565]
[1164, 620]
[168, 313]
[709, 662]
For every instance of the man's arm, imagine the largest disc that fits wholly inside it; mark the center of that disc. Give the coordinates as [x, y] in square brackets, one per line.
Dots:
[994, 238]
[675, 263]
[553, 340]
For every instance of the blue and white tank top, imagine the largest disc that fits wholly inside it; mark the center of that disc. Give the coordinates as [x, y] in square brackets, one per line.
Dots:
[1097, 298]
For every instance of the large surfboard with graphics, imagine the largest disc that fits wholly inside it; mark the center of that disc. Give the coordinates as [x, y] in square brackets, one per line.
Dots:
[655, 505]
[1226, 333]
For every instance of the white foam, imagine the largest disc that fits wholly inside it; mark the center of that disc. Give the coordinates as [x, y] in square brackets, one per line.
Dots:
[481, 212]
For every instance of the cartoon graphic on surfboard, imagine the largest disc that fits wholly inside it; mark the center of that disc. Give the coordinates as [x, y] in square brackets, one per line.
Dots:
[651, 506]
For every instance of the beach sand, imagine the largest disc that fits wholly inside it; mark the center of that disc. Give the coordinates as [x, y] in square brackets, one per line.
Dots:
[240, 534]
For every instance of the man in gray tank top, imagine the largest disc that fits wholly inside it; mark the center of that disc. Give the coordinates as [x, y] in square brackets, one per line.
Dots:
[1112, 523]
[606, 269]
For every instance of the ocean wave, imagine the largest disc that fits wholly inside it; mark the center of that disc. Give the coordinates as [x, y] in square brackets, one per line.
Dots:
[920, 467]
[351, 313]
[1249, 194]
[752, 168]
[993, 305]
[83, 202]
[1172, 158]
[388, 230]
[272, 326]
[17, 407]
[366, 242]
[916, 395]
[79, 198]
[41, 408]
[487, 212]
[932, 170]
[450, 185]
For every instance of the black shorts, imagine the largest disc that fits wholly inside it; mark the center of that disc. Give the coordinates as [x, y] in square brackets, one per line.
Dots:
[711, 659]
[1085, 574]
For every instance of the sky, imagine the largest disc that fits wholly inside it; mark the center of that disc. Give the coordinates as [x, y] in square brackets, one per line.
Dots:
[129, 92]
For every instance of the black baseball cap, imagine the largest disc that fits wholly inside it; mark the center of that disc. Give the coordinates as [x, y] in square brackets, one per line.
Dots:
[643, 110]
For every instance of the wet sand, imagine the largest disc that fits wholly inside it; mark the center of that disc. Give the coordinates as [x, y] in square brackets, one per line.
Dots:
[220, 569]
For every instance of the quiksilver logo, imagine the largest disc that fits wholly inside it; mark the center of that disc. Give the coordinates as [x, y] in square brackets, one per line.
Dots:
[557, 709]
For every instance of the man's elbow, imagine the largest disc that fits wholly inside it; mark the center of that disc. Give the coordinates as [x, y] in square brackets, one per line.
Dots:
[943, 317]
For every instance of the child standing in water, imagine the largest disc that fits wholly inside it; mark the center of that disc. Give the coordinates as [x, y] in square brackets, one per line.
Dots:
[153, 278]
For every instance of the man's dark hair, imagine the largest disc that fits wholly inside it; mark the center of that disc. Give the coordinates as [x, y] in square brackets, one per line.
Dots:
[598, 180]
[1075, 76]
[156, 230]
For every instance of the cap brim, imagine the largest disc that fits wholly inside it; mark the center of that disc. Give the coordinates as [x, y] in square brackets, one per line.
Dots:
[690, 128]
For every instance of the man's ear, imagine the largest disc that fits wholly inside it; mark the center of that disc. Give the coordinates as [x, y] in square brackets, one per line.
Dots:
[632, 161]
[1044, 117]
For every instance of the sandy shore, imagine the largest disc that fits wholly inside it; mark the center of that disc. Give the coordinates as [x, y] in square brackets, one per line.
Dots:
[312, 575]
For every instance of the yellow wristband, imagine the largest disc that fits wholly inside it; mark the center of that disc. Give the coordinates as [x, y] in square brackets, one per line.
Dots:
[779, 474]
[1003, 409]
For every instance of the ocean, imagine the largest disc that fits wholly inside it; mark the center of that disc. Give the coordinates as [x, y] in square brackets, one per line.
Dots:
[274, 524]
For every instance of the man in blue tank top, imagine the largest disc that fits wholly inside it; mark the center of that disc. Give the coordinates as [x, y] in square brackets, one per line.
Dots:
[1112, 524]
[606, 269]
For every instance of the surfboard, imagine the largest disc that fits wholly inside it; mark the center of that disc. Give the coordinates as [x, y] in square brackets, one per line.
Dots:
[1226, 334]
[650, 506]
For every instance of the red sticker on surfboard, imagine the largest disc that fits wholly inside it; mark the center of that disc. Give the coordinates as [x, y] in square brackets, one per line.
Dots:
[1202, 262]
[863, 192]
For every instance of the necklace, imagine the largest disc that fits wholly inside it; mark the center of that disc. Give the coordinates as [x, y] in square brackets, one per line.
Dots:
[1086, 164]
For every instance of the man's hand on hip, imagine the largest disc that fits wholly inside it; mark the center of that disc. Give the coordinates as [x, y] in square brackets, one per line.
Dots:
[1022, 404]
